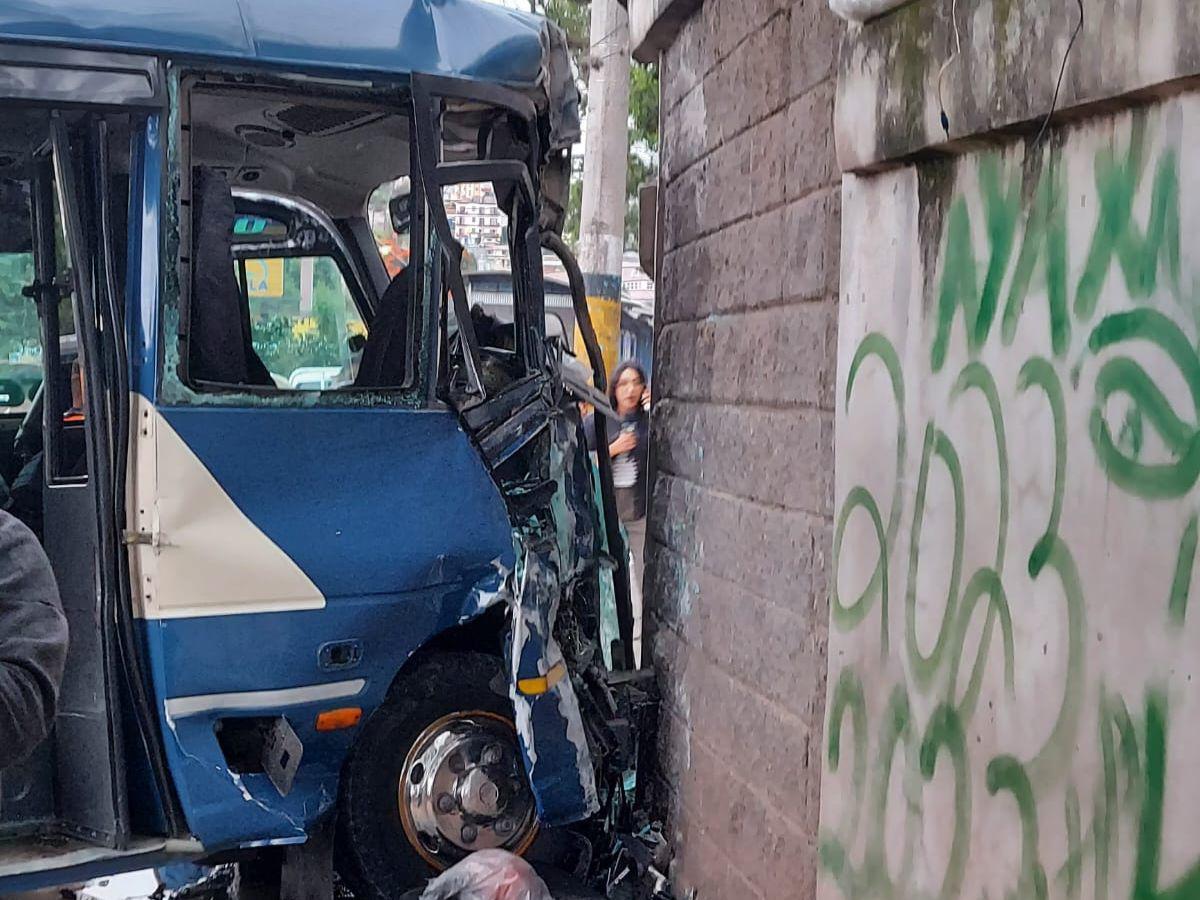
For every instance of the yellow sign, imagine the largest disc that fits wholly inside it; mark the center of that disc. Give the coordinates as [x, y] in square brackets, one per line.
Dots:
[606, 320]
[264, 277]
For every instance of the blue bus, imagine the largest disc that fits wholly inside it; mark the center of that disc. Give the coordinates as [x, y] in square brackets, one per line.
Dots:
[329, 542]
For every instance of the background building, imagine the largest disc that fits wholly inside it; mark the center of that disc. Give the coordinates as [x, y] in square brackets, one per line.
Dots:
[479, 224]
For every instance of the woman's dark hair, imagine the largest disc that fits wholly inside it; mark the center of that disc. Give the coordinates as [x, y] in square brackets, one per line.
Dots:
[616, 377]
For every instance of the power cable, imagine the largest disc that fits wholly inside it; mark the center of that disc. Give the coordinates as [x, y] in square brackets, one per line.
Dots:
[1061, 72]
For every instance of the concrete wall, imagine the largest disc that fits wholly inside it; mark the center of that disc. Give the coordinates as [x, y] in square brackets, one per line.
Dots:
[1016, 400]
[993, 66]
[1011, 701]
[741, 523]
[1012, 652]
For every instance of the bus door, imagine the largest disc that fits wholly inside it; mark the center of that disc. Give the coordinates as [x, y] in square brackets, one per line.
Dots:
[72, 158]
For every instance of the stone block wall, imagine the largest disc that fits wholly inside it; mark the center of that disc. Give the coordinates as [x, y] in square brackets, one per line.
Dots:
[1010, 661]
[740, 524]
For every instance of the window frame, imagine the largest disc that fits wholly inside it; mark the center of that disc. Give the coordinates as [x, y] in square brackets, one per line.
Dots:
[177, 387]
[57, 278]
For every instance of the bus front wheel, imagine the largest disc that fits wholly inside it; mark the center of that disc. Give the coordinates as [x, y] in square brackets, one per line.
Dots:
[435, 774]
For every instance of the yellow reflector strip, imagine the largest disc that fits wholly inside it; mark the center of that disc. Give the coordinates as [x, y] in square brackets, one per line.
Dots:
[533, 687]
[337, 719]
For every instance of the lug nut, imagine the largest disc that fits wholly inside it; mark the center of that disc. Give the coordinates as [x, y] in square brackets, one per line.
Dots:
[469, 833]
[445, 803]
[504, 826]
[492, 755]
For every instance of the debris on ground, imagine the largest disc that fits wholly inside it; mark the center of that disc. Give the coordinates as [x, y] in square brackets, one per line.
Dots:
[488, 875]
[634, 867]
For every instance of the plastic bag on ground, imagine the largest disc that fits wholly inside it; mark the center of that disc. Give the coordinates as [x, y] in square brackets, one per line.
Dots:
[488, 875]
[861, 10]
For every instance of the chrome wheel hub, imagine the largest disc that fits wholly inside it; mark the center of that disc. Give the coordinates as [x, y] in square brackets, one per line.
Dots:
[463, 788]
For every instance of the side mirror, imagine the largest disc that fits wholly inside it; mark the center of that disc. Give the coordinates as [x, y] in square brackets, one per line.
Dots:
[11, 392]
[400, 210]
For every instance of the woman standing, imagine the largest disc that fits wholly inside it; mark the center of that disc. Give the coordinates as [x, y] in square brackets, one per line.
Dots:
[628, 445]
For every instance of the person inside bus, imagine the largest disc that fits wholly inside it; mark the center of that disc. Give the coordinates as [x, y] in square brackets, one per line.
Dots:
[33, 642]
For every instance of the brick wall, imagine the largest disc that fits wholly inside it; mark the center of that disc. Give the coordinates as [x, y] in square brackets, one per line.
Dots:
[740, 530]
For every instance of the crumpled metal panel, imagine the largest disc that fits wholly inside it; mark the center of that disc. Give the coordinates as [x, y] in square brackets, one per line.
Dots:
[556, 545]
[457, 38]
[550, 725]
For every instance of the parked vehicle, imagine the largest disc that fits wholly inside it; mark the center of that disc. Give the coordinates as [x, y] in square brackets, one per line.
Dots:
[364, 603]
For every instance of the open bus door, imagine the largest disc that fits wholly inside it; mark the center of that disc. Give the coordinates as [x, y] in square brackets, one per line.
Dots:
[66, 808]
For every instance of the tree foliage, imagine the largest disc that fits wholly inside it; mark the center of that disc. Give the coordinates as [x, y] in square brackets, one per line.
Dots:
[19, 326]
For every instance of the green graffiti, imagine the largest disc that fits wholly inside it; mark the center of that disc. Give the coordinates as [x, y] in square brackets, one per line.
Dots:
[1109, 800]
[1074, 843]
[984, 582]
[873, 878]
[958, 284]
[1053, 758]
[1005, 773]
[1133, 432]
[1001, 210]
[878, 346]
[1094, 786]
[1122, 375]
[1045, 236]
[832, 856]
[1182, 582]
[1040, 373]
[897, 731]
[1149, 839]
[848, 697]
[1106, 826]
[924, 667]
[975, 375]
[847, 617]
[1118, 717]
[945, 731]
[1139, 255]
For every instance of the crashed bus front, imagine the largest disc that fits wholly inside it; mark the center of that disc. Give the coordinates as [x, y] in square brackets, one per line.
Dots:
[339, 524]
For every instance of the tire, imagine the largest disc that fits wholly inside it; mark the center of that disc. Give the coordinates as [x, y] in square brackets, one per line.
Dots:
[382, 849]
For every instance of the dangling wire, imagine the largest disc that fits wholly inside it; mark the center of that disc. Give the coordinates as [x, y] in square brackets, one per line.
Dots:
[1061, 72]
[946, 65]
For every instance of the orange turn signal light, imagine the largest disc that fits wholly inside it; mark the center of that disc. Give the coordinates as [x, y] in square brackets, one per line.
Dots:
[337, 719]
[534, 687]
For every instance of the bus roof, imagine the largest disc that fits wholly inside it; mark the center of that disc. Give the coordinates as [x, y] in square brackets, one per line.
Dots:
[460, 38]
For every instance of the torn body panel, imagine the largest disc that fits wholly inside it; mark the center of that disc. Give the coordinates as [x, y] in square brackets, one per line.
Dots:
[556, 551]
[527, 432]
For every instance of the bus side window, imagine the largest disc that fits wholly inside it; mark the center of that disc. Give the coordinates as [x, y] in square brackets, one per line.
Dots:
[303, 321]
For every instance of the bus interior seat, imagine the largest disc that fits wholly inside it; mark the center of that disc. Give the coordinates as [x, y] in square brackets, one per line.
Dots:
[384, 355]
[219, 343]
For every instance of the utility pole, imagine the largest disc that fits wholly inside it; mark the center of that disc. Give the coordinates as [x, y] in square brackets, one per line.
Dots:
[605, 161]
